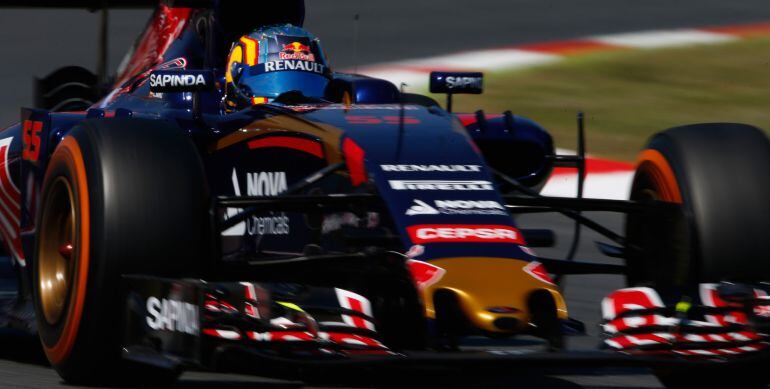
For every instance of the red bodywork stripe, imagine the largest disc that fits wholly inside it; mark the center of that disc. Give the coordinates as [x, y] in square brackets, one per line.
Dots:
[464, 233]
[746, 30]
[469, 118]
[13, 194]
[11, 211]
[594, 166]
[357, 306]
[354, 156]
[569, 47]
[308, 146]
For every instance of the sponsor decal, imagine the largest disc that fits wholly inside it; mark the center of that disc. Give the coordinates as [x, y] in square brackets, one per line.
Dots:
[459, 82]
[440, 185]
[456, 82]
[260, 184]
[468, 233]
[431, 168]
[268, 225]
[265, 183]
[296, 50]
[172, 315]
[457, 207]
[167, 80]
[175, 64]
[284, 65]
[30, 135]
[421, 208]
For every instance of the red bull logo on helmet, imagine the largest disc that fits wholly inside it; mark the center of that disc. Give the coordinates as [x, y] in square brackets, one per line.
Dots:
[296, 50]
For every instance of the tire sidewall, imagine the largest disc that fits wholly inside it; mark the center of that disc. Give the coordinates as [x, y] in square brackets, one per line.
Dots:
[63, 164]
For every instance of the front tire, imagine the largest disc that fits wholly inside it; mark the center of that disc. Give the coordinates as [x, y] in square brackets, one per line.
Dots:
[718, 173]
[120, 196]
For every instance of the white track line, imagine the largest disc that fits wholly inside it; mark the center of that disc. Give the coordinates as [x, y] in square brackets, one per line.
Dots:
[413, 78]
[616, 186]
[492, 59]
[664, 38]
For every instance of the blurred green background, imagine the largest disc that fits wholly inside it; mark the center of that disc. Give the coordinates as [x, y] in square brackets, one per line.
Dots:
[630, 94]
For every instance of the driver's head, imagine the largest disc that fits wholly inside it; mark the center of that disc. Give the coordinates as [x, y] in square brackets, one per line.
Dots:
[274, 60]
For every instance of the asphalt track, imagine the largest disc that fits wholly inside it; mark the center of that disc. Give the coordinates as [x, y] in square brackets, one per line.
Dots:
[35, 43]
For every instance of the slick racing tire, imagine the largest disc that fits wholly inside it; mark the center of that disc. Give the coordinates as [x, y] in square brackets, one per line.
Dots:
[120, 196]
[718, 173]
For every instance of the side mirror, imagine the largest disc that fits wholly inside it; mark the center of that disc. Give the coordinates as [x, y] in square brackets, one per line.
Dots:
[195, 81]
[457, 83]
[452, 83]
[163, 81]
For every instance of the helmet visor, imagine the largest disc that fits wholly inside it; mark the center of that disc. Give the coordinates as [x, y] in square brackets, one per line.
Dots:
[273, 84]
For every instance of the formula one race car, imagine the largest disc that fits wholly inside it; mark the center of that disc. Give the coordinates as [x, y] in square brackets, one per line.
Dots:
[244, 208]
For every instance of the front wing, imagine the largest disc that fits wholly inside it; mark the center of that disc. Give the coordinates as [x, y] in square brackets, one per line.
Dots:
[298, 332]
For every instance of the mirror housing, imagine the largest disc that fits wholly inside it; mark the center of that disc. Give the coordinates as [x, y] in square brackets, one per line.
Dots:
[452, 83]
[457, 82]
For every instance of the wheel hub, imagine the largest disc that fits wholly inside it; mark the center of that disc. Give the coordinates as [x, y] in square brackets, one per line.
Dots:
[55, 255]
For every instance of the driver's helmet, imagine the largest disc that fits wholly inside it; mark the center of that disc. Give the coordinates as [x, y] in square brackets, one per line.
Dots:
[271, 61]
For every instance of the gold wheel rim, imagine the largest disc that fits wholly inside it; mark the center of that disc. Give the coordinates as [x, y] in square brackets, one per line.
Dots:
[55, 263]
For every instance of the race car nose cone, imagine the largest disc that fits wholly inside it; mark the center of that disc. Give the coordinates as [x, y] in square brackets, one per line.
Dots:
[492, 294]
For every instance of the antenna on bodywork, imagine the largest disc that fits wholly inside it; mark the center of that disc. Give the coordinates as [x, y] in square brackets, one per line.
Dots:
[401, 117]
[104, 45]
[578, 162]
[356, 24]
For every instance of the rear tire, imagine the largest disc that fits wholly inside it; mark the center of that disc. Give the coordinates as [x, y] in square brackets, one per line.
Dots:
[718, 172]
[129, 196]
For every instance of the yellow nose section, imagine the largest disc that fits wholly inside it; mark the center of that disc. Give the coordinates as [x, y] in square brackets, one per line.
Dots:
[489, 289]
